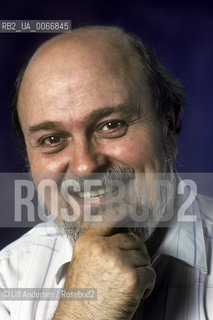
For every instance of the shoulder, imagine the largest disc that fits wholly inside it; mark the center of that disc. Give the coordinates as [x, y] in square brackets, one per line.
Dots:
[26, 242]
[27, 259]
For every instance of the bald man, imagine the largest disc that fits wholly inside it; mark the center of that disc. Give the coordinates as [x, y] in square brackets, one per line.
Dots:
[97, 101]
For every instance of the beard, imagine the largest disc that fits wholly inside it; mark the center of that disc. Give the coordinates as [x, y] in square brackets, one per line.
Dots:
[156, 209]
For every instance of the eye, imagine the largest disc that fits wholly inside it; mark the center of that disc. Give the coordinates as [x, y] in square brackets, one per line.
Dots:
[112, 125]
[52, 143]
[52, 140]
[112, 129]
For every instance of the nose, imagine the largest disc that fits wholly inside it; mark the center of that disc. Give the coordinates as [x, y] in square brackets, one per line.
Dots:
[87, 159]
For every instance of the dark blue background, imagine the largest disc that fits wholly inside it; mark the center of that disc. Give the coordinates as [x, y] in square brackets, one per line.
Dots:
[181, 34]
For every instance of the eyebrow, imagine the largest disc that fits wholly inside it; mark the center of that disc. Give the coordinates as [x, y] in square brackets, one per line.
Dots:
[46, 125]
[123, 108]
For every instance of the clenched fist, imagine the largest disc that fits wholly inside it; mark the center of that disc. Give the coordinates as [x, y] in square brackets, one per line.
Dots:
[118, 266]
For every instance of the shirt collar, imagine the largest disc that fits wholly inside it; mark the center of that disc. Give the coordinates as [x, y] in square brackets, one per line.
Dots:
[185, 240]
[66, 246]
[63, 246]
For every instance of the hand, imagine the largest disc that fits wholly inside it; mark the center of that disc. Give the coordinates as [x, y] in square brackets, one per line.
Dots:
[118, 265]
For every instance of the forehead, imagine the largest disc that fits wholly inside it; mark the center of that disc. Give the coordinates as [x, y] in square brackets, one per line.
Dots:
[69, 76]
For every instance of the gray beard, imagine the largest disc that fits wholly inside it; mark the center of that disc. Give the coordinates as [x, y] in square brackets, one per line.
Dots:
[143, 230]
[74, 230]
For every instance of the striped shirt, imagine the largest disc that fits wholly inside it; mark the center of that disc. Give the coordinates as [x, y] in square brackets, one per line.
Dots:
[183, 263]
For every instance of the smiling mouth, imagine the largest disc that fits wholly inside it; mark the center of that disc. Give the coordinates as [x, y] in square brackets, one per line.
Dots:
[96, 192]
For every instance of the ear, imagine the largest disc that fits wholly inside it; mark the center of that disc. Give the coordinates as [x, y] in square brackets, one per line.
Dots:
[171, 121]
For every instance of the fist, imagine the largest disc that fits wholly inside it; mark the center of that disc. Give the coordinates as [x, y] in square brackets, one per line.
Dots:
[118, 266]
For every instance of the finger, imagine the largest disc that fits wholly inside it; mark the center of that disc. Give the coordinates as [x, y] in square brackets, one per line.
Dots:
[128, 241]
[136, 258]
[147, 278]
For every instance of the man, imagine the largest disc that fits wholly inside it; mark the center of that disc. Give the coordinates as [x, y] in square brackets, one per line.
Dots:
[96, 101]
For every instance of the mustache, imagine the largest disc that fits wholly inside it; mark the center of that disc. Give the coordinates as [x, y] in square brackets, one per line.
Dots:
[117, 173]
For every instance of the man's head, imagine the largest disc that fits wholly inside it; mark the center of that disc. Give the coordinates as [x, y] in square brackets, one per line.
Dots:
[96, 100]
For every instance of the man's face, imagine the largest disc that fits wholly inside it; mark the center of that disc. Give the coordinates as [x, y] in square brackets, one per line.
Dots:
[86, 112]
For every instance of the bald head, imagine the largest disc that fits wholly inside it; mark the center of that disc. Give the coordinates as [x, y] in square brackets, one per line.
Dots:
[75, 52]
[106, 48]
[110, 40]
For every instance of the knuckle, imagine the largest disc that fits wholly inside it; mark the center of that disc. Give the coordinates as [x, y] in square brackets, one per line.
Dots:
[149, 277]
[145, 257]
[115, 264]
[99, 248]
[145, 283]
[151, 272]
[144, 248]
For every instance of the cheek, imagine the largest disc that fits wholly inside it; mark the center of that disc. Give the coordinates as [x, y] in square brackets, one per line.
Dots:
[45, 163]
[43, 167]
[143, 153]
